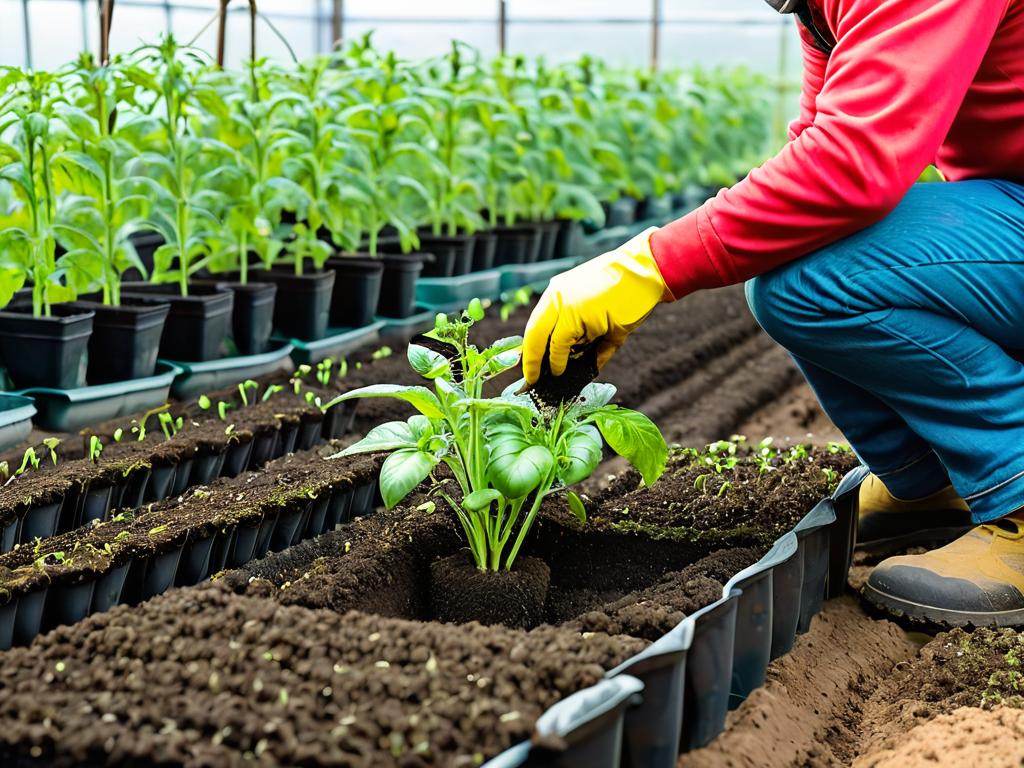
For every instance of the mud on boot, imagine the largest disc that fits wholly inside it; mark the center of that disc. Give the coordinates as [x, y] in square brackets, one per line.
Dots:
[887, 525]
[977, 580]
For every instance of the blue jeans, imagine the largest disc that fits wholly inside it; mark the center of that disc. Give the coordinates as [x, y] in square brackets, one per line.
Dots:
[907, 333]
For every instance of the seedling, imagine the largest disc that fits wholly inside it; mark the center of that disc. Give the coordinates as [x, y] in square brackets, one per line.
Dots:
[118, 435]
[271, 390]
[28, 459]
[170, 425]
[518, 298]
[51, 444]
[222, 410]
[243, 390]
[204, 402]
[313, 399]
[296, 380]
[323, 371]
[382, 353]
[95, 448]
[506, 454]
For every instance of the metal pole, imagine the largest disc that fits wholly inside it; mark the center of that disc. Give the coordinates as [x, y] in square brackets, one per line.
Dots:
[106, 15]
[502, 27]
[655, 29]
[337, 23]
[27, 30]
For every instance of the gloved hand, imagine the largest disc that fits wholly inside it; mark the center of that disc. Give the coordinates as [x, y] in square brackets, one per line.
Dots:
[603, 299]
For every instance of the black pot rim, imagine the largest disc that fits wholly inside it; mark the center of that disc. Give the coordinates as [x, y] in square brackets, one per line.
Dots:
[356, 263]
[141, 310]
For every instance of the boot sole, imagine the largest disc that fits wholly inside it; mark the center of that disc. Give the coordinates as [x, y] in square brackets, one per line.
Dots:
[929, 538]
[943, 618]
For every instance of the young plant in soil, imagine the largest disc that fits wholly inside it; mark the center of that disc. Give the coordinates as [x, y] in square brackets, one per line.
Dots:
[505, 453]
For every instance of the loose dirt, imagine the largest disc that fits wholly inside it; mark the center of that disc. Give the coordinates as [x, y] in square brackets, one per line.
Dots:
[807, 713]
[795, 417]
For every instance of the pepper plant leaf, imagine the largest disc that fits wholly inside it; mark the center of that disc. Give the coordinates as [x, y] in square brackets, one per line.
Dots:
[581, 455]
[516, 467]
[421, 398]
[402, 471]
[634, 437]
[427, 363]
[392, 436]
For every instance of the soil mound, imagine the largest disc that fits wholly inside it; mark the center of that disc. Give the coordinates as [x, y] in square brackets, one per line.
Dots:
[807, 713]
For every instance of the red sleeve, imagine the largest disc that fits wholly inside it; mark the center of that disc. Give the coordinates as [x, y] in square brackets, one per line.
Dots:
[891, 90]
[813, 78]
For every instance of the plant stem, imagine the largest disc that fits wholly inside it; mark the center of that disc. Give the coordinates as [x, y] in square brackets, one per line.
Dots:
[528, 522]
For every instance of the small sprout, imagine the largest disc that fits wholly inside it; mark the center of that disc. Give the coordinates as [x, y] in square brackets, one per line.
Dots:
[59, 667]
[382, 353]
[95, 448]
[243, 390]
[725, 487]
[271, 390]
[428, 506]
[51, 443]
[29, 458]
[118, 434]
[323, 371]
[343, 368]
[158, 530]
[222, 410]
[313, 399]
[5, 470]
[229, 430]
[168, 424]
[204, 402]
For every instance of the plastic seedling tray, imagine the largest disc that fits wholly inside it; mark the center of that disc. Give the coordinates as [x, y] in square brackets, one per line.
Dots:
[448, 294]
[536, 275]
[337, 343]
[401, 330]
[196, 378]
[68, 410]
[716, 656]
[589, 723]
[16, 412]
[653, 728]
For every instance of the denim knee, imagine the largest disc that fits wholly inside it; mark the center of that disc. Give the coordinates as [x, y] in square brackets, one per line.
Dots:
[779, 307]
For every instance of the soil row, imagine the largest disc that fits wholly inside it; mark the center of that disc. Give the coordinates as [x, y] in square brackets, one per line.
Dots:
[410, 691]
[138, 553]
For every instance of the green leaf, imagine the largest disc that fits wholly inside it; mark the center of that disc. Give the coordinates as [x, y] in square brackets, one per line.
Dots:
[421, 398]
[582, 454]
[385, 437]
[478, 500]
[475, 310]
[576, 506]
[401, 472]
[516, 467]
[634, 437]
[427, 362]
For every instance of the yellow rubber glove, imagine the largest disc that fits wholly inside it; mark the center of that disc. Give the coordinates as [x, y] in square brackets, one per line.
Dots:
[603, 299]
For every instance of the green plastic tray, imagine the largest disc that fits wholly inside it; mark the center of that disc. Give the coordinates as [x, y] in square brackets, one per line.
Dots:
[337, 343]
[448, 294]
[16, 412]
[535, 275]
[399, 330]
[68, 410]
[196, 378]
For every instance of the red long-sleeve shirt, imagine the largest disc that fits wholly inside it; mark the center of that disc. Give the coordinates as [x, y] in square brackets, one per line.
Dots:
[909, 83]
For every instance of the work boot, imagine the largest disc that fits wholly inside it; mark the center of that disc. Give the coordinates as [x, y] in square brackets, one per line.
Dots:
[887, 525]
[977, 580]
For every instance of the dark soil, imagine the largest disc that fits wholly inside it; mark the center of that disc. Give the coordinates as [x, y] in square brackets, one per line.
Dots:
[205, 677]
[692, 500]
[460, 592]
[161, 526]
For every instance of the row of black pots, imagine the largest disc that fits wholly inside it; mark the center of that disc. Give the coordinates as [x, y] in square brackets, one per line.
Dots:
[196, 558]
[144, 485]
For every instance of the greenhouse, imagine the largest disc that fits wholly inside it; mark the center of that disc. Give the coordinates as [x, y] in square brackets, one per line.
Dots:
[505, 383]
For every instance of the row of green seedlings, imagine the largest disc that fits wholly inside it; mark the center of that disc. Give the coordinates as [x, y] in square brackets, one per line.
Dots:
[723, 456]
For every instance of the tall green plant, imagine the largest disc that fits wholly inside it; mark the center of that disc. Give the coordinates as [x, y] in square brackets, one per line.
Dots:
[189, 166]
[29, 110]
[506, 454]
[111, 194]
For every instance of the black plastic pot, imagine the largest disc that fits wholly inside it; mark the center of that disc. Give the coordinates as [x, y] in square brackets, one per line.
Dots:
[71, 603]
[58, 346]
[196, 325]
[454, 249]
[357, 287]
[338, 509]
[517, 245]
[124, 339]
[160, 572]
[40, 522]
[252, 319]
[206, 467]
[621, 213]
[338, 419]
[484, 250]
[244, 543]
[195, 562]
[568, 240]
[145, 244]
[287, 525]
[109, 588]
[182, 475]
[161, 480]
[303, 304]
[236, 460]
[266, 533]
[310, 431]
[548, 240]
[398, 288]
